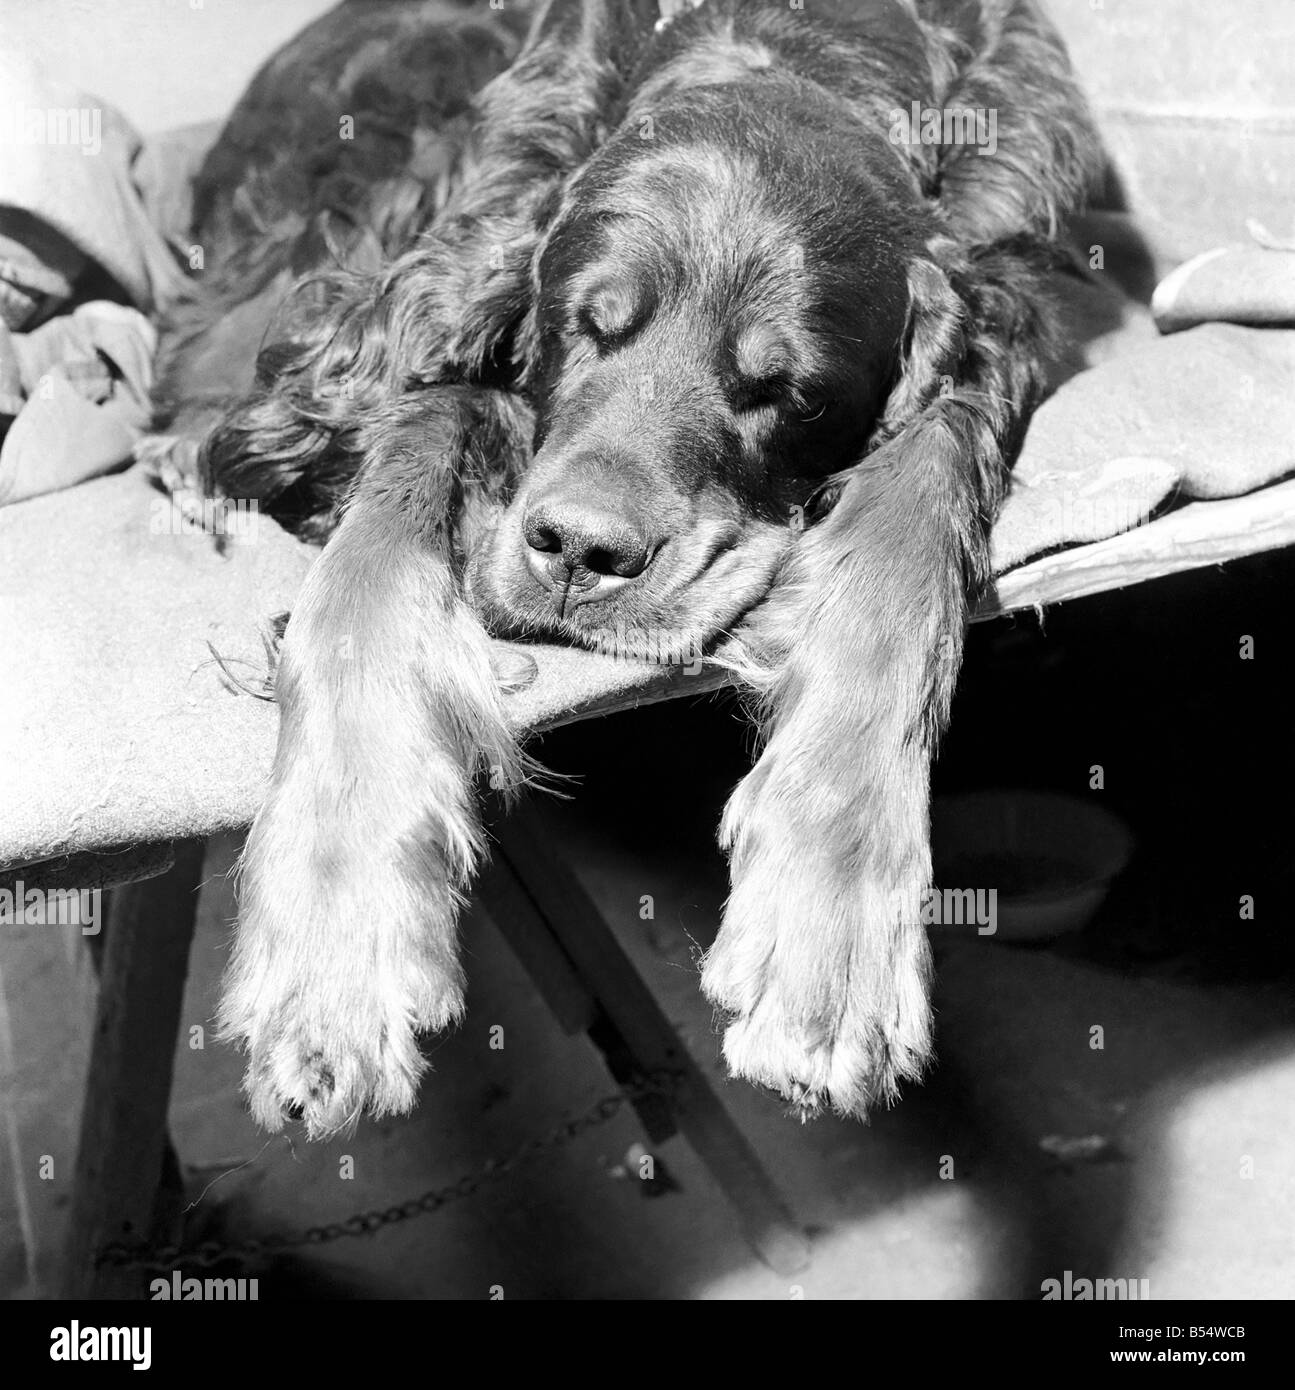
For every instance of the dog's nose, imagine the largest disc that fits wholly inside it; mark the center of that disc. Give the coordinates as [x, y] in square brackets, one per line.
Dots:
[586, 536]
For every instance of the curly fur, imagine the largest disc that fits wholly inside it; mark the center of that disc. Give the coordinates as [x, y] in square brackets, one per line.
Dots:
[397, 410]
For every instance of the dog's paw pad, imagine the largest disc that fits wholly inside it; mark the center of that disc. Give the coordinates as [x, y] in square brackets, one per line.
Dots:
[319, 1077]
[816, 1068]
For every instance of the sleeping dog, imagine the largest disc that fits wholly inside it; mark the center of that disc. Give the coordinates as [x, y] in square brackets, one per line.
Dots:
[728, 327]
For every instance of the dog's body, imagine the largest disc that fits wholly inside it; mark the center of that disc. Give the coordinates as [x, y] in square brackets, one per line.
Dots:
[696, 344]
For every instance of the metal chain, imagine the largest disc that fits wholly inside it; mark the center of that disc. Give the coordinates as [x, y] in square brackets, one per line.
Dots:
[164, 1258]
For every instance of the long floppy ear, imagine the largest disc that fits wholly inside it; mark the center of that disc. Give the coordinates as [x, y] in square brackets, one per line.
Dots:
[932, 349]
[980, 330]
[451, 307]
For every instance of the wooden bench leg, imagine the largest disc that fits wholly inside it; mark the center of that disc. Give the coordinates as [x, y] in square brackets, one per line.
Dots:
[120, 1157]
[572, 953]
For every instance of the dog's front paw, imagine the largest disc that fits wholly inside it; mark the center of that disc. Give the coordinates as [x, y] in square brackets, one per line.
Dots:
[818, 1061]
[310, 1059]
[346, 949]
[821, 962]
[330, 1038]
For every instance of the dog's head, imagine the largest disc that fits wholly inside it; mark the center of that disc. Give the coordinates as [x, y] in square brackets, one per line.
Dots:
[719, 310]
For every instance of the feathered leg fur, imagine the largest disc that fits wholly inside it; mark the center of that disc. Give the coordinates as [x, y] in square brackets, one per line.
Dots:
[354, 870]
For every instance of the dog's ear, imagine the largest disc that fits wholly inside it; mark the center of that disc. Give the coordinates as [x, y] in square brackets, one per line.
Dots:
[930, 364]
[933, 347]
[971, 365]
[971, 310]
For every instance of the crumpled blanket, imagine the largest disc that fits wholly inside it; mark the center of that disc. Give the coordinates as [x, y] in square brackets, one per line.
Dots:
[74, 397]
[1252, 284]
[1202, 409]
[75, 235]
[67, 159]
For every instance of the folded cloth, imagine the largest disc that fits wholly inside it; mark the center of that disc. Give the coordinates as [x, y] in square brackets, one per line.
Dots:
[1141, 419]
[74, 387]
[1206, 413]
[79, 387]
[1234, 284]
[66, 158]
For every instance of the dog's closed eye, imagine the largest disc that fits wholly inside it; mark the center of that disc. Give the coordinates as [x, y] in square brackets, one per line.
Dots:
[797, 404]
[769, 393]
[612, 312]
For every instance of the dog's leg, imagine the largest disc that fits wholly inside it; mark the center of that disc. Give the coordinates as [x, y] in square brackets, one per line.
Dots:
[353, 870]
[822, 959]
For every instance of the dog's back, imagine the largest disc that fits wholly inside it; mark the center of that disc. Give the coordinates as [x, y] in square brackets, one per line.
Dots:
[345, 146]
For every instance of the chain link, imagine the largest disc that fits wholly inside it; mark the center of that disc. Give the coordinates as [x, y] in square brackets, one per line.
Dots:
[164, 1258]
